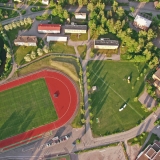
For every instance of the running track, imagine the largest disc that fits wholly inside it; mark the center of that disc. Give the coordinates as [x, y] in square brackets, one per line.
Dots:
[65, 104]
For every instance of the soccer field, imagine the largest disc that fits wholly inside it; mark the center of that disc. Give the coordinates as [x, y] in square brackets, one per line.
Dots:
[25, 107]
[113, 92]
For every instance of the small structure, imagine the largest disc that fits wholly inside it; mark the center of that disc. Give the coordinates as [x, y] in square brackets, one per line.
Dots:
[26, 41]
[94, 88]
[142, 22]
[80, 15]
[124, 106]
[129, 78]
[49, 28]
[46, 2]
[56, 38]
[73, 28]
[106, 43]
[55, 95]
[152, 152]
[156, 77]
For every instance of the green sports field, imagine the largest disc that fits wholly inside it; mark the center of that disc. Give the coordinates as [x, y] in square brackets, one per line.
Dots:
[113, 92]
[25, 107]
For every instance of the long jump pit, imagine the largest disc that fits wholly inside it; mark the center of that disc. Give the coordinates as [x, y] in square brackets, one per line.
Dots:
[62, 92]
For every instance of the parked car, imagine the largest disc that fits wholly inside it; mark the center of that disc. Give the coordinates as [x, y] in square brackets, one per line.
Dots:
[56, 140]
[158, 126]
[49, 143]
[64, 138]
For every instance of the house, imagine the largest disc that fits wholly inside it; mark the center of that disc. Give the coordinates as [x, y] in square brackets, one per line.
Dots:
[142, 22]
[49, 28]
[156, 77]
[75, 28]
[56, 38]
[26, 41]
[46, 2]
[152, 152]
[106, 43]
[80, 15]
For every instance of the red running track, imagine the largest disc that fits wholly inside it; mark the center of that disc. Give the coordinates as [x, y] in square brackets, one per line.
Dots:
[65, 104]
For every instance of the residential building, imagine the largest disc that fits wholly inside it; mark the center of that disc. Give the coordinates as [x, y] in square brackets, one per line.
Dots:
[46, 2]
[56, 38]
[26, 41]
[142, 22]
[106, 43]
[49, 28]
[75, 28]
[80, 15]
[152, 152]
[156, 77]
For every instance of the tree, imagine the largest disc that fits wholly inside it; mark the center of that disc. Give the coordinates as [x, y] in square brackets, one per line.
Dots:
[153, 62]
[91, 122]
[120, 12]
[1, 27]
[149, 45]
[90, 7]
[80, 2]
[14, 25]
[65, 14]
[10, 26]
[82, 111]
[25, 21]
[132, 9]
[27, 58]
[150, 35]
[8, 55]
[114, 6]
[18, 23]
[83, 120]
[22, 22]
[29, 20]
[45, 49]
[33, 54]
[39, 51]
[6, 27]
[142, 34]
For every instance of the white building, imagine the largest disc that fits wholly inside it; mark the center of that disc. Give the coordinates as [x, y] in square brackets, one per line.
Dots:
[75, 29]
[80, 15]
[106, 44]
[46, 2]
[56, 38]
[142, 22]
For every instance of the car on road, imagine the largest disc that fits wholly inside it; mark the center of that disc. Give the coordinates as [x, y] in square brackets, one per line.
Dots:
[64, 138]
[158, 127]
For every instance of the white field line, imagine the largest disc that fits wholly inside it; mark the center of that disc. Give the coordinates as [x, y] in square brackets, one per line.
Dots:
[117, 93]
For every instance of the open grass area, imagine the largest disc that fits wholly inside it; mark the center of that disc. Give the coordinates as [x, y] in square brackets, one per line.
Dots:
[139, 139]
[113, 92]
[25, 107]
[67, 157]
[60, 47]
[107, 52]
[21, 51]
[81, 37]
[82, 51]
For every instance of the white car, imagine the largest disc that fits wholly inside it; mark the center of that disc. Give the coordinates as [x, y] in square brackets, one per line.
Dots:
[158, 126]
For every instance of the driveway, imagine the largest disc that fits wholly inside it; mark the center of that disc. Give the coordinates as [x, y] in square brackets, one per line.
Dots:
[147, 100]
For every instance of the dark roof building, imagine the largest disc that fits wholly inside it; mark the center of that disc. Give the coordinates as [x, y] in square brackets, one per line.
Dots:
[49, 28]
[26, 41]
[106, 43]
[75, 28]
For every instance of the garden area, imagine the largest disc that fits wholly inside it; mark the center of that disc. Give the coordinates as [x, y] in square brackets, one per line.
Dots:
[139, 139]
[113, 92]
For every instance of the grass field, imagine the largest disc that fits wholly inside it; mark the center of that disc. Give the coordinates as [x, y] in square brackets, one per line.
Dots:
[112, 93]
[82, 37]
[82, 51]
[25, 107]
[60, 47]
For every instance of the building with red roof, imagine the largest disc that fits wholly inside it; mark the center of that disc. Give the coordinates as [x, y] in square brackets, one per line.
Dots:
[49, 28]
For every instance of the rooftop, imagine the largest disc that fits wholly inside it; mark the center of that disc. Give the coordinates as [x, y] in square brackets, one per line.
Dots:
[26, 39]
[141, 21]
[106, 42]
[49, 27]
[157, 73]
[76, 27]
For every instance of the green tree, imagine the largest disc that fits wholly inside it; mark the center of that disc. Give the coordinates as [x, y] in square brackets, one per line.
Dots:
[90, 7]
[150, 35]
[33, 54]
[45, 49]
[80, 2]
[6, 27]
[22, 22]
[132, 9]
[14, 25]
[120, 12]
[27, 58]
[65, 14]
[39, 52]
[29, 20]
[114, 6]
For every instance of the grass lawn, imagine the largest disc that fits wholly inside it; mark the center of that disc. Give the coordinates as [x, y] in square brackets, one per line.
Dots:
[21, 51]
[82, 37]
[67, 157]
[82, 51]
[25, 107]
[113, 92]
[60, 47]
[108, 52]
[139, 139]
[152, 139]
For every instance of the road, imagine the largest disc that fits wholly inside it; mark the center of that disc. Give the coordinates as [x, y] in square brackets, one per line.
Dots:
[87, 139]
